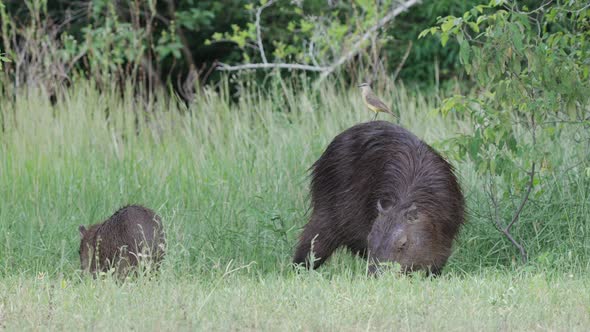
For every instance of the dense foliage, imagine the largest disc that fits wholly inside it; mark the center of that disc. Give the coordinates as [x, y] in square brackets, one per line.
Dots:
[180, 41]
[532, 70]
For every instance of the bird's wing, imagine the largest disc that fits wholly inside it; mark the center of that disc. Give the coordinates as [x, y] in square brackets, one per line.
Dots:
[376, 102]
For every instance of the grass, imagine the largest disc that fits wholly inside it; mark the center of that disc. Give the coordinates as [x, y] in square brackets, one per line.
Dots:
[230, 181]
[487, 301]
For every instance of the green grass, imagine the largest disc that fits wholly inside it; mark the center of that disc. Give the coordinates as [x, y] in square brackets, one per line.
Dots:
[487, 301]
[230, 181]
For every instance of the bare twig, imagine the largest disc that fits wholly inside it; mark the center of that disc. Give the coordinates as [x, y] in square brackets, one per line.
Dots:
[540, 8]
[524, 199]
[401, 64]
[295, 66]
[151, 72]
[523, 253]
[375, 57]
[505, 230]
[258, 34]
[357, 46]
[205, 76]
[312, 56]
[579, 10]
[75, 60]
[186, 88]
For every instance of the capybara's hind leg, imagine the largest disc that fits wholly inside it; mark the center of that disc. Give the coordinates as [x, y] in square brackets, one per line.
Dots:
[434, 271]
[322, 242]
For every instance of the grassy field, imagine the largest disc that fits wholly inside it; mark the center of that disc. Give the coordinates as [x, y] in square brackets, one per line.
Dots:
[230, 181]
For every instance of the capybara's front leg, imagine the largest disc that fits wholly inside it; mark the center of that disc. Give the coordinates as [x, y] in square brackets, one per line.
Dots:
[323, 242]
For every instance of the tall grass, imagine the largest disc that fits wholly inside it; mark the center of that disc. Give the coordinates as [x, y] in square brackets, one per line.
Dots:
[229, 177]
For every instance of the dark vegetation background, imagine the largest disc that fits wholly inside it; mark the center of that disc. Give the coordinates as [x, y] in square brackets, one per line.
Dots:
[170, 58]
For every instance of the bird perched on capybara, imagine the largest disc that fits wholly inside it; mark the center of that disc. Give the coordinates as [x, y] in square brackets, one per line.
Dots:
[134, 233]
[382, 192]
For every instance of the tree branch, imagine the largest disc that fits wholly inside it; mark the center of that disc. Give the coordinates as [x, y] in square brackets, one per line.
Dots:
[295, 66]
[524, 199]
[523, 253]
[506, 230]
[258, 34]
[311, 56]
[325, 70]
[401, 64]
[357, 46]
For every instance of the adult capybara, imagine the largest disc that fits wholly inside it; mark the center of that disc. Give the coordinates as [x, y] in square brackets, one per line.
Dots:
[382, 192]
[132, 234]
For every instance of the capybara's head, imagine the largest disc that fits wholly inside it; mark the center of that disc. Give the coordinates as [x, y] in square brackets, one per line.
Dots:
[87, 246]
[406, 234]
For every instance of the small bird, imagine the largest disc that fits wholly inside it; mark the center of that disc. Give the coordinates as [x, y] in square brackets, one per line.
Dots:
[372, 102]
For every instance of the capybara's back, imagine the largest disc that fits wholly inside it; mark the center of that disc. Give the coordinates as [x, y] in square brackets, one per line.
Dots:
[134, 233]
[379, 190]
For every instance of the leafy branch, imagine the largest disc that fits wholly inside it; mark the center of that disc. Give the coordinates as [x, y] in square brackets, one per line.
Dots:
[241, 37]
[506, 230]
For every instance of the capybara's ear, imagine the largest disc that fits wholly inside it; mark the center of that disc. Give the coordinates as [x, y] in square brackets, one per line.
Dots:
[82, 230]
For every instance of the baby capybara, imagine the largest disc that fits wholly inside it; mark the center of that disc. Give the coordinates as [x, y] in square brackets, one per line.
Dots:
[382, 192]
[132, 234]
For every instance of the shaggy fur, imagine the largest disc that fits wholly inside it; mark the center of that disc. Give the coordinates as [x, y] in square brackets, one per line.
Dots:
[131, 233]
[379, 179]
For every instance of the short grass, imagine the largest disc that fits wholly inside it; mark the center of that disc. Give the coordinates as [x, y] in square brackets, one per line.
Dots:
[487, 301]
[230, 181]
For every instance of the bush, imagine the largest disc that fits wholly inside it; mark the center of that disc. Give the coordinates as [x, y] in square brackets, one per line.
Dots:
[531, 69]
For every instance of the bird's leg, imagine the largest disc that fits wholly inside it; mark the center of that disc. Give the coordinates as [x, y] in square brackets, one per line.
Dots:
[375, 117]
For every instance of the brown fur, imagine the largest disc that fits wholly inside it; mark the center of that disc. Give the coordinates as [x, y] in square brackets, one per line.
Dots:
[383, 193]
[120, 241]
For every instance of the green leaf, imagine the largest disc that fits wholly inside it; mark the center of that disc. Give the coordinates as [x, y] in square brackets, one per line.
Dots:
[464, 51]
[496, 3]
[291, 26]
[431, 31]
[448, 24]
[517, 37]
[306, 26]
[444, 38]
